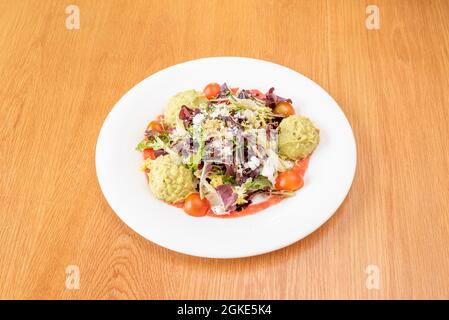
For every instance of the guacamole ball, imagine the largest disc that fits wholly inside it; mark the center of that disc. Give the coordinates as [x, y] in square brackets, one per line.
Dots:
[298, 137]
[170, 181]
[191, 98]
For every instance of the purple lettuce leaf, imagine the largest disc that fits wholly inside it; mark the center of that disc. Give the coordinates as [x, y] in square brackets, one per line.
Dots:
[248, 173]
[186, 114]
[244, 95]
[230, 169]
[207, 169]
[271, 100]
[159, 152]
[227, 195]
[241, 177]
[224, 91]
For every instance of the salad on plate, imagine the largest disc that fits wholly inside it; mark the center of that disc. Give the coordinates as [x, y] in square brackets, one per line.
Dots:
[227, 152]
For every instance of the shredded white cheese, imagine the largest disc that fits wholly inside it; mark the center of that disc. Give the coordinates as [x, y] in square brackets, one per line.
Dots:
[198, 119]
[253, 163]
[220, 110]
[271, 166]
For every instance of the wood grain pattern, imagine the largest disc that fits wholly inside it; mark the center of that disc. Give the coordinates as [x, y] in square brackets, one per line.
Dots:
[58, 85]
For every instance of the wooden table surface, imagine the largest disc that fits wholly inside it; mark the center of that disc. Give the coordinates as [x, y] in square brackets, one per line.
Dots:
[58, 85]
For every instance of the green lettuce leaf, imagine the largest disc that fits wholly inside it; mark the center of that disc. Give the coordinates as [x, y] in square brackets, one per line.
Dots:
[259, 183]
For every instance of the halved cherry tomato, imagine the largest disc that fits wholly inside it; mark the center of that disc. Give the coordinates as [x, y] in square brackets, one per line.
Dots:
[284, 108]
[195, 206]
[234, 90]
[148, 153]
[155, 126]
[257, 93]
[289, 181]
[212, 90]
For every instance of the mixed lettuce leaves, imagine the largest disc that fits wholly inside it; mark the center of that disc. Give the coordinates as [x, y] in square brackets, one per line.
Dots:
[239, 125]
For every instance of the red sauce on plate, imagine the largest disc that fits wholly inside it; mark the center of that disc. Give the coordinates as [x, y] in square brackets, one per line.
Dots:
[252, 208]
[179, 204]
[302, 165]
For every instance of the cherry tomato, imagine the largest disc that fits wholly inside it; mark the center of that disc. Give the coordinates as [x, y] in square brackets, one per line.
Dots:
[257, 93]
[148, 153]
[212, 90]
[195, 206]
[234, 90]
[289, 180]
[155, 126]
[284, 108]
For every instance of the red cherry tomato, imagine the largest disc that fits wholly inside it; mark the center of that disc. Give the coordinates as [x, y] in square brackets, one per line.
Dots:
[289, 181]
[257, 93]
[148, 153]
[284, 108]
[234, 90]
[195, 206]
[155, 126]
[212, 90]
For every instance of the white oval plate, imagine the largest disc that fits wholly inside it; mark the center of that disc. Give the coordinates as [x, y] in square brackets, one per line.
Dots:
[327, 180]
